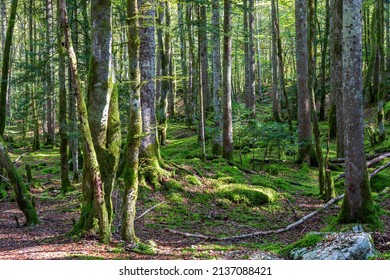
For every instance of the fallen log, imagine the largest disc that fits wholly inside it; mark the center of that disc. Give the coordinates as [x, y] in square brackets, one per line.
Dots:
[260, 233]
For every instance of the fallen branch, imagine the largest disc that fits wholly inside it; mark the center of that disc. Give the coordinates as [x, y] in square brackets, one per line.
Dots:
[375, 158]
[147, 211]
[376, 171]
[19, 158]
[372, 174]
[259, 233]
[5, 179]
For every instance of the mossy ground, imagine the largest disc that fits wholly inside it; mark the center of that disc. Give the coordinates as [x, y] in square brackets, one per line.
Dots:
[211, 197]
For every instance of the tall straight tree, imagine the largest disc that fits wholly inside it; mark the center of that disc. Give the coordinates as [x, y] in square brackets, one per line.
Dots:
[336, 74]
[135, 128]
[250, 76]
[227, 133]
[150, 147]
[357, 205]
[204, 62]
[6, 66]
[275, 90]
[65, 182]
[306, 151]
[216, 59]
[50, 107]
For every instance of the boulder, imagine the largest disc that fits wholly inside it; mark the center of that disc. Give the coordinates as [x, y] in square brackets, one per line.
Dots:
[352, 245]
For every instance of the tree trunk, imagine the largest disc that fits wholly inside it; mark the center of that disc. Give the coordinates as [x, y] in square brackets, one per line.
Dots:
[6, 66]
[50, 96]
[150, 147]
[357, 205]
[305, 152]
[323, 61]
[135, 128]
[21, 194]
[216, 42]
[90, 153]
[275, 90]
[227, 133]
[336, 74]
[65, 183]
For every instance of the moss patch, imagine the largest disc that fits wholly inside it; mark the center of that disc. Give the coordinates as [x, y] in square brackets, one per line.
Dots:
[248, 195]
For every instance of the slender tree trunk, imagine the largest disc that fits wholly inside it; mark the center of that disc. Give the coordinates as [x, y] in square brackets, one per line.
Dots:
[50, 96]
[183, 60]
[135, 128]
[259, 72]
[202, 48]
[306, 151]
[6, 66]
[281, 69]
[203, 43]
[216, 42]
[165, 54]
[65, 183]
[336, 75]
[191, 66]
[323, 61]
[275, 90]
[227, 134]
[357, 205]
[381, 69]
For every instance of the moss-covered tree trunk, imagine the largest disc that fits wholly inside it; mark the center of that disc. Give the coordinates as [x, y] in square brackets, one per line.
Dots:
[150, 147]
[6, 66]
[21, 194]
[227, 132]
[217, 88]
[135, 128]
[165, 54]
[357, 205]
[65, 183]
[96, 180]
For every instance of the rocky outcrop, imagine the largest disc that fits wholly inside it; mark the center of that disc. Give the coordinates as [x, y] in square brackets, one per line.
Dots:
[352, 245]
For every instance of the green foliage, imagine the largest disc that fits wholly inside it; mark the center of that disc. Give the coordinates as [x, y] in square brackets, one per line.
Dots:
[172, 186]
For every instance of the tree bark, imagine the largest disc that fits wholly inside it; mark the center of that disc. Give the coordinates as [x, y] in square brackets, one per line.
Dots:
[6, 66]
[135, 128]
[227, 133]
[306, 151]
[216, 59]
[21, 194]
[90, 153]
[357, 205]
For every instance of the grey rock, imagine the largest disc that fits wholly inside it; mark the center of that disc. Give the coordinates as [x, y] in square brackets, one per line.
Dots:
[354, 245]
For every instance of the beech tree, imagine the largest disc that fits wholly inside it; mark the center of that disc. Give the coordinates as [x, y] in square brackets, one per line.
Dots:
[357, 205]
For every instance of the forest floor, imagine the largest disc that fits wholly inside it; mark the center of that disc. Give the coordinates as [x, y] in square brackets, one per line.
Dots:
[212, 198]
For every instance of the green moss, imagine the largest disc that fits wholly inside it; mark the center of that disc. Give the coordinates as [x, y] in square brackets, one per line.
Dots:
[248, 195]
[309, 240]
[144, 249]
[272, 170]
[383, 147]
[193, 180]
[172, 186]
[380, 182]
[231, 172]
[175, 197]
[264, 181]
[82, 257]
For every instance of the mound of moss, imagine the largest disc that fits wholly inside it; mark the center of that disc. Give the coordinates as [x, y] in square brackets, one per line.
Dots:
[247, 194]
